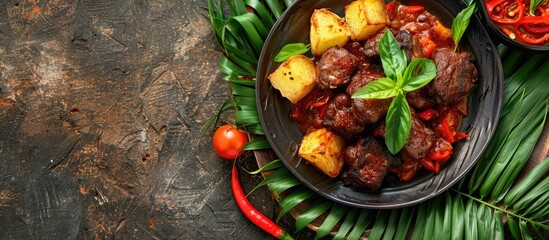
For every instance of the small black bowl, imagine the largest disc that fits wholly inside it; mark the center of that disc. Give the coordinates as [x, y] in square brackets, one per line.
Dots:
[285, 137]
[502, 37]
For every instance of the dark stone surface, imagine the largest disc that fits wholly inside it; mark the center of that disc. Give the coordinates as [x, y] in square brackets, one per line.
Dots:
[101, 106]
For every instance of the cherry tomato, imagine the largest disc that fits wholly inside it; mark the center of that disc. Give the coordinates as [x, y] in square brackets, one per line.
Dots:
[228, 142]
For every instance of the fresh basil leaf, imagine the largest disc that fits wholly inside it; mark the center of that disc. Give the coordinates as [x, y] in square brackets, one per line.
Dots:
[398, 123]
[393, 58]
[291, 49]
[418, 74]
[379, 89]
[534, 4]
[461, 22]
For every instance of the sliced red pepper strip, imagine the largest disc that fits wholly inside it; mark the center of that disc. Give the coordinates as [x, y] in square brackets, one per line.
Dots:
[437, 167]
[252, 213]
[428, 114]
[445, 132]
[428, 46]
[441, 151]
[461, 135]
[390, 7]
[528, 39]
[532, 24]
[321, 102]
[491, 5]
[412, 9]
[427, 164]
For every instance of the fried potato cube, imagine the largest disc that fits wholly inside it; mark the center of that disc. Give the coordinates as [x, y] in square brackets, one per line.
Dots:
[327, 30]
[294, 78]
[324, 150]
[365, 18]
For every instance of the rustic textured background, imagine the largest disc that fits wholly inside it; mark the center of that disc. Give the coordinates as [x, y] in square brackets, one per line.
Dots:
[101, 105]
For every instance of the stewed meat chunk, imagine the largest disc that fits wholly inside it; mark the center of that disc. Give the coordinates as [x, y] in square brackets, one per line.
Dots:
[335, 68]
[357, 50]
[420, 140]
[420, 99]
[409, 44]
[339, 117]
[456, 75]
[367, 111]
[368, 163]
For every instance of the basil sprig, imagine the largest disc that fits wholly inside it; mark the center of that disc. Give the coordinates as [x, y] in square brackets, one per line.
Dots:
[534, 4]
[291, 49]
[461, 22]
[400, 79]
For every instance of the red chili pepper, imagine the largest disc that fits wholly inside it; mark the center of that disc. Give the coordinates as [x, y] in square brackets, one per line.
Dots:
[437, 167]
[445, 132]
[428, 114]
[412, 9]
[510, 16]
[461, 135]
[535, 24]
[428, 46]
[252, 213]
[440, 152]
[390, 7]
[427, 164]
[321, 101]
[527, 38]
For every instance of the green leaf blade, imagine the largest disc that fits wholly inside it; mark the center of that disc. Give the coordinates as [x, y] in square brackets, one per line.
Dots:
[331, 220]
[379, 89]
[461, 22]
[314, 211]
[393, 58]
[291, 49]
[419, 73]
[399, 123]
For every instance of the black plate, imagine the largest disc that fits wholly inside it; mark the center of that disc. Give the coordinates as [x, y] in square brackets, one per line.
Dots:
[501, 36]
[284, 135]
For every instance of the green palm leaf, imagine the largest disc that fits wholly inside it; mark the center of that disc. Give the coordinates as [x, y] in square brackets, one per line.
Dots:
[459, 213]
[336, 213]
[378, 229]
[364, 219]
[347, 224]
[310, 214]
[404, 223]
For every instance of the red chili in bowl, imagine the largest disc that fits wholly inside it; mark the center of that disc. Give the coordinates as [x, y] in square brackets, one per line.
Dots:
[515, 19]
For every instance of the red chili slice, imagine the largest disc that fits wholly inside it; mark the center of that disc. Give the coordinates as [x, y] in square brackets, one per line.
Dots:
[509, 16]
[427, 164]
[412, 9]
[444, 131]
[440, 152]
[428, 46]
[428, 114]
[535, 24]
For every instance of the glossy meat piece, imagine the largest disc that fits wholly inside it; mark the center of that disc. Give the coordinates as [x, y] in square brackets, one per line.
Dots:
[335, 68]
[420, 99]
[371, 46]
[408, 43]
[357, 50]
[420, 140]
[339, 117]
[456, 75]
[368, 164]
[367, 111]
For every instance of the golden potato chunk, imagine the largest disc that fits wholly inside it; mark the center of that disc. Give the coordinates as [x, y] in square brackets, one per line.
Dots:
[295, 78]
[324, 150]
[327, 30]
[365, 18]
